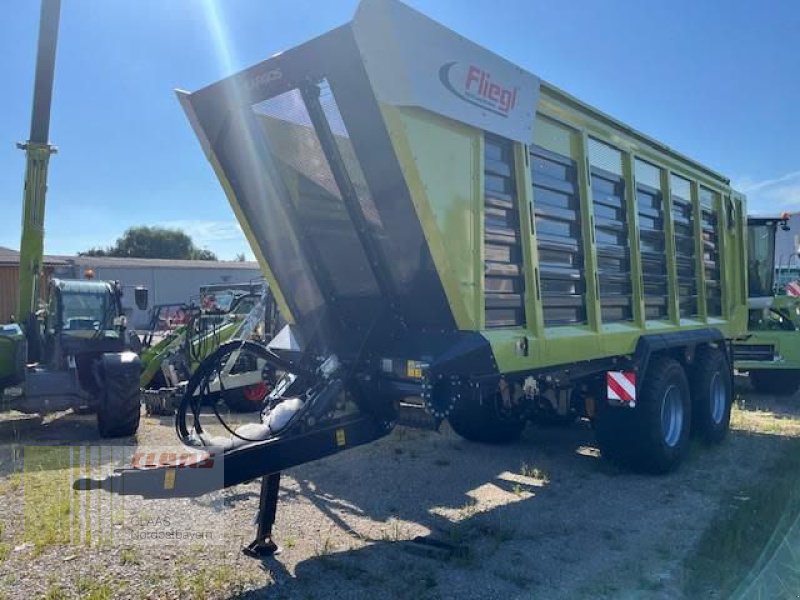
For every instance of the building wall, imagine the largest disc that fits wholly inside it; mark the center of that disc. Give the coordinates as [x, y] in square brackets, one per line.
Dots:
[166, 285]
[9, 286]
[9, 290]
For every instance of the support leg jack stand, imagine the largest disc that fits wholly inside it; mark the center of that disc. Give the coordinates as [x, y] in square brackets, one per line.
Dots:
[263, 546]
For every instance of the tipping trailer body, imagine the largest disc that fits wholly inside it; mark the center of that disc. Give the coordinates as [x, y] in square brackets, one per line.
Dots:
[458, 211]
[446, 233]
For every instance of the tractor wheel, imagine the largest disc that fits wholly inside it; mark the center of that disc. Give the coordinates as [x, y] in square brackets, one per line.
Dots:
[481, 420]
[653, 437]
[712, 396]
[778, 382]
[119, 406]
[249, 398]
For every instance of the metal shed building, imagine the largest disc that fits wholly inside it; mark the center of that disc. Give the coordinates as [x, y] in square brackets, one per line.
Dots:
[9, 279]
[169, 281]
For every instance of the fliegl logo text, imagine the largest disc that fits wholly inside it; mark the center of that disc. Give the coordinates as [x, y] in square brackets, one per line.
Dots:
[476, 86]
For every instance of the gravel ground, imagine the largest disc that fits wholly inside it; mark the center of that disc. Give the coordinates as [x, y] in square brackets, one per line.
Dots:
[545, 517]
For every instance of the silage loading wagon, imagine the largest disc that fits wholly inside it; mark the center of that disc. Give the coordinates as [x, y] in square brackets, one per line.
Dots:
[449, 236]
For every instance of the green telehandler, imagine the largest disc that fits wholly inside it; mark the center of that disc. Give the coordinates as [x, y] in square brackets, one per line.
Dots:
[73, 350]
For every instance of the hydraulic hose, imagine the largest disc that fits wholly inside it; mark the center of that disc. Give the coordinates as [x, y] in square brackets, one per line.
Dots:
[200, 382]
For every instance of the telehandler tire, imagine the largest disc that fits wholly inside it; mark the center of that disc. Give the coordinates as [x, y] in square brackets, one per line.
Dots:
[119, 406]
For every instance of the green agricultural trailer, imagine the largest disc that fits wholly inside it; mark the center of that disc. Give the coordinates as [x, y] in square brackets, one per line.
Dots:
[771, 352]
[448, 235]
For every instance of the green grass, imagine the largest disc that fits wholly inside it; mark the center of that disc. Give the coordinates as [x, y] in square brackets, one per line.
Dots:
[90, 588]
[753, 521]
[528, 470]
[129, 556]
[55, 592]
[211, 582]
[48, 497]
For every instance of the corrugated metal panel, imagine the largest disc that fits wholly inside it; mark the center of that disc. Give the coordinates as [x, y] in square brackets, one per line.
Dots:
[652, 248]
[556, 208]
[754, 352]
[605, 157]
[9, 284]
[652, 238]
[611, 245]
[711, 266]
[503, 277]
[9, 290]
[680, 187]
[649, 175]
[552, 136]
[683, 224]
[167, 285]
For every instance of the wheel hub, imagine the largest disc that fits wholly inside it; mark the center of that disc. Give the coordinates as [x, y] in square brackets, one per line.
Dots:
[672, 416]
[718, 400]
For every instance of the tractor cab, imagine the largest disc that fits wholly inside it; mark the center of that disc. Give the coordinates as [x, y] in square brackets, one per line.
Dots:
[761, 232]
[81, 318]
[771, 353]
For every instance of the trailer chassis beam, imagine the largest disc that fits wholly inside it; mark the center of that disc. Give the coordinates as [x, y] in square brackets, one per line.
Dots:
[244, 463]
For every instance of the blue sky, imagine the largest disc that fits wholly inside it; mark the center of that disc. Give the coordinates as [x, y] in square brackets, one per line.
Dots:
[721, 85]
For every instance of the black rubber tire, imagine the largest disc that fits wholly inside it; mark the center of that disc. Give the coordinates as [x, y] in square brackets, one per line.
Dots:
[478, 421]
[634, 437]
[237, 402]
[778, 382]
[613, 429]
[710, 364]
[119, 406]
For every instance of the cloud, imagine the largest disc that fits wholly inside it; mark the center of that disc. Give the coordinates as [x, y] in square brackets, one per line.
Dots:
[773, 195]
[208, 232]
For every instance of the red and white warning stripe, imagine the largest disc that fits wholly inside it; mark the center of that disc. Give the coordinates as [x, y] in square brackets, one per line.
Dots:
[793, 288]
[621, 386]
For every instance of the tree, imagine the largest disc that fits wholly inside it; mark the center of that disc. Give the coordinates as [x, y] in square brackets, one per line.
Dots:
[240, 257]
[153, 242]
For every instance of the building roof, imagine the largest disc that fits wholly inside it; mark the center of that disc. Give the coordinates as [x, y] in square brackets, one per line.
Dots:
[11, 257]
[93, 262]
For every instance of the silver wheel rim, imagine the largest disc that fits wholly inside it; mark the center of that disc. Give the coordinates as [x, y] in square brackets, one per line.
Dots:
[672, 416]
[717, 399]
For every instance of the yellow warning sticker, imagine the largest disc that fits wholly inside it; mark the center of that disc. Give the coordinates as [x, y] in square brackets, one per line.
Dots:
[169, 479]
[340, 438]
[413, 369]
